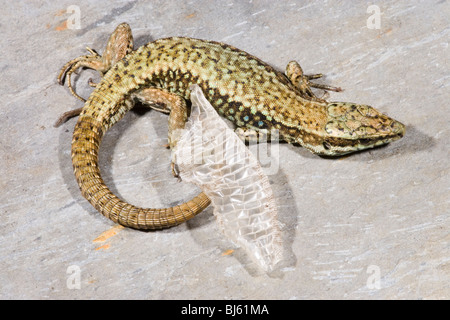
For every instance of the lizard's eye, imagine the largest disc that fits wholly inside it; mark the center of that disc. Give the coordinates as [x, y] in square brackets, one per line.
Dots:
[326, 145]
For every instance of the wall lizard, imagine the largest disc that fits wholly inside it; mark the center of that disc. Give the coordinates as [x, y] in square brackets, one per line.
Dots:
[241, 87]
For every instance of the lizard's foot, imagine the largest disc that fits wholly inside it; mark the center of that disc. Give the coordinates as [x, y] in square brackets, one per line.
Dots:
[92, 61]
[302, 82]
[175, 170]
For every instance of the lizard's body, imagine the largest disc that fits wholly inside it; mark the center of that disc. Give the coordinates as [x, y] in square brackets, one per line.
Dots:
[241, 87]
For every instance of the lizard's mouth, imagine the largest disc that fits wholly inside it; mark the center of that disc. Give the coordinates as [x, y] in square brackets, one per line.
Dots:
[335, 146]
[374, 142]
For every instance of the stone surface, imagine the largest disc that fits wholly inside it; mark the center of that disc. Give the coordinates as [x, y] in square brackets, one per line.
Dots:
[373, 225]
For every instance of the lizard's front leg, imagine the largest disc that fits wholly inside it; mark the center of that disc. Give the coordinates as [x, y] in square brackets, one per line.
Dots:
[302, 82]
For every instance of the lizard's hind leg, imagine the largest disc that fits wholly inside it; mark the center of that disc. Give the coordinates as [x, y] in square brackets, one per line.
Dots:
[120, 44]
[88, 61]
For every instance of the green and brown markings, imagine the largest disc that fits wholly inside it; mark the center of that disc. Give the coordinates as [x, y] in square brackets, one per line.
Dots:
[241, 87]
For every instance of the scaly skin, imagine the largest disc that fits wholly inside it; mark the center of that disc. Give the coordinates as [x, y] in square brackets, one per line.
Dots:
[240, 87]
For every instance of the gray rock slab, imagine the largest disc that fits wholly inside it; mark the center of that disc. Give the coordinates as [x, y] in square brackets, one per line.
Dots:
[373, 225]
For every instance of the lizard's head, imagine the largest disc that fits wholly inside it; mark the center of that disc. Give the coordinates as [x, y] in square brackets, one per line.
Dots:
[351, 127]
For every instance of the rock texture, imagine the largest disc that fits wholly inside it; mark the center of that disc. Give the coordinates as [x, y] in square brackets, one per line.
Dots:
[373, 225]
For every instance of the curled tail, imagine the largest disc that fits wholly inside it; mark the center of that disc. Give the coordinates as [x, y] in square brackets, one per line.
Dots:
[105, 107]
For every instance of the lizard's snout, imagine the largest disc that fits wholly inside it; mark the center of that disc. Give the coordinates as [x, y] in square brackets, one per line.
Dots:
[351, 127]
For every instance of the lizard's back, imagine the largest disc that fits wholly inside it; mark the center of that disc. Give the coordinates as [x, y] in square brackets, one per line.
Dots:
[240, 86]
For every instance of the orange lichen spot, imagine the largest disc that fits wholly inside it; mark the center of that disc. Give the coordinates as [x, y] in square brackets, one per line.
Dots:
[385, 33]
[227, 252]
[108, 234]
[62, 26]
[103, 247]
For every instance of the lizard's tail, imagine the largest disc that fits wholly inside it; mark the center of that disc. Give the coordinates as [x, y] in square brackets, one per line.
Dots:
[85, 145]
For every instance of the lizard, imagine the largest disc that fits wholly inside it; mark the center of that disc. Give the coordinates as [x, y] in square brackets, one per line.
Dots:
[241, 87]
